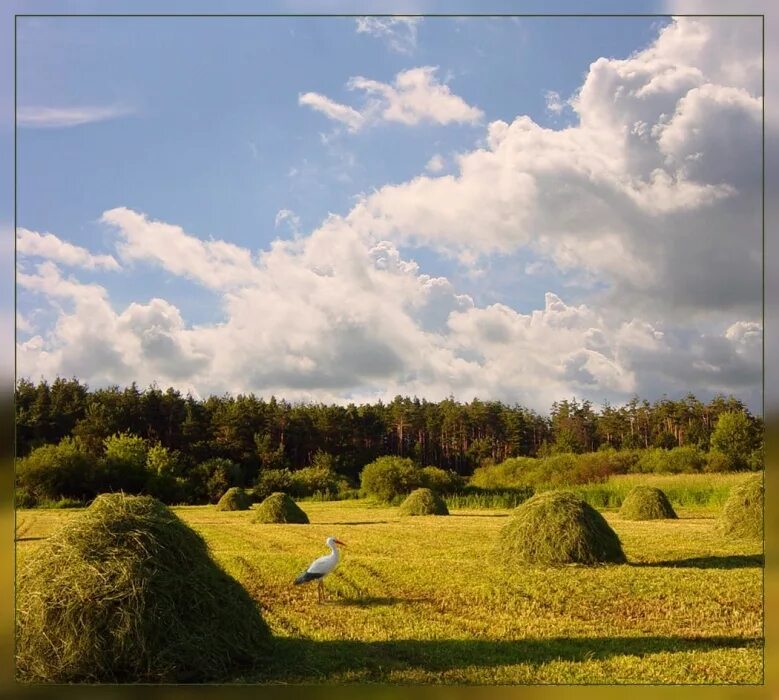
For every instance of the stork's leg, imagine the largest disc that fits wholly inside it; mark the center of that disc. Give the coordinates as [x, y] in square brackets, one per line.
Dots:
[320, 590]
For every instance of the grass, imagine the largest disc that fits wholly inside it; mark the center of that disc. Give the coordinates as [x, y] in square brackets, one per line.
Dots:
[418, 600]
[702, 491]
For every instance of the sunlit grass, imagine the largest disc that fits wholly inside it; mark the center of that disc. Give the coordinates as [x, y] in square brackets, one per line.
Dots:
[422, 600]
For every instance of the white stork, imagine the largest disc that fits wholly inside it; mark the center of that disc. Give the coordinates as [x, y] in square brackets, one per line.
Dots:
[321, 567]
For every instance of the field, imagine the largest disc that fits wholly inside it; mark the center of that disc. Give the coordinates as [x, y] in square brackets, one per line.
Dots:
[424, 599]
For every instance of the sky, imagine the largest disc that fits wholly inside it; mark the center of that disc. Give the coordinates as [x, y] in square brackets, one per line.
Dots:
[346, 209]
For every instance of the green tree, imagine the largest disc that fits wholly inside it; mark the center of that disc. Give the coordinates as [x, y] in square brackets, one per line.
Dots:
[734, 436]
[57, 471]
[125, 463]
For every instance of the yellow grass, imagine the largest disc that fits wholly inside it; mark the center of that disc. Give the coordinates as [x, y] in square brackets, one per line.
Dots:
[419, 600]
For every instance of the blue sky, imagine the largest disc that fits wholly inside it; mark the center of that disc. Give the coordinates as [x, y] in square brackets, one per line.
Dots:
[539, 245]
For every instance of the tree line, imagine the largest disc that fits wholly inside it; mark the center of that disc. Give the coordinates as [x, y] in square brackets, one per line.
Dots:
[259, 434]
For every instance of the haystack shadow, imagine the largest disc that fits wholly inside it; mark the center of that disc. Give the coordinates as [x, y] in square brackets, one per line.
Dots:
[731, 561]
[377, 659]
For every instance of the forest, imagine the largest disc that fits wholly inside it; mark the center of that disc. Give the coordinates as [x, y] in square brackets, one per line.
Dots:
[247, 436]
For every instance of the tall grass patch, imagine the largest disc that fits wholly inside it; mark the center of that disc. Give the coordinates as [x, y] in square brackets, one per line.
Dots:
[127, 592]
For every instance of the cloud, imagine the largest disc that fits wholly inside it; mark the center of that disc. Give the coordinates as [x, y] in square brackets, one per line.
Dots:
[292, 219]
[398, 33]
[655, 192]
[435, 164]
[344, 114]
[414, 96]
[216, 264]
[554, 104]
[47, 245]
[62, 117]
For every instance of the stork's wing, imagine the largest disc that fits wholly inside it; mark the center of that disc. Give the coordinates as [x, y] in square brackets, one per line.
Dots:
[323, 565]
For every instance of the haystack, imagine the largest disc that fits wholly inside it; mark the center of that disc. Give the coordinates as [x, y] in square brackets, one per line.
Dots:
[646, 503]
[423, 502]
[129, 593]
[742, 515]
[558, 527]
[280, 508]
[234, 498]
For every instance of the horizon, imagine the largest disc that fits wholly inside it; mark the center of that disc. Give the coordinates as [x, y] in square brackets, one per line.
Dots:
[308, 232]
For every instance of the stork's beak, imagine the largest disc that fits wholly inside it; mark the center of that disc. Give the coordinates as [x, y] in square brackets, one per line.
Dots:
[343, 544]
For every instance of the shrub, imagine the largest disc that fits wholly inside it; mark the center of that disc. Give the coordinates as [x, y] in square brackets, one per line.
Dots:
[389, 478]
[124, 467]
[718, 462]
[280, 508]
[234, 498]
[129, 593]
[423, 502]
[557, 527]
[742, 515]
[441, 481]
[646, 503]
[270, 481]
[310, 480]
[53, 471]
[210, 479]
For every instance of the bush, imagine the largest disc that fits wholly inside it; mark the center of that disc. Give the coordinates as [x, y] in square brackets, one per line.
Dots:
[423, 502]
[280, 508]
[210, 479]
[234, 498]
[310, 480]
[124, 466]
[129, 593]
[742, 515]
[718, 462]
[441, 481]
[557, 527]
[646, 503]
[54, 471]
[390, 478]
[674, 461]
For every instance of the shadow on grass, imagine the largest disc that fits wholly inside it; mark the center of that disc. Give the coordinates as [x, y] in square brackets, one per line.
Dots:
[355, 522]
[294, 658]
[479, 515]
[29, 539]
[733, 561]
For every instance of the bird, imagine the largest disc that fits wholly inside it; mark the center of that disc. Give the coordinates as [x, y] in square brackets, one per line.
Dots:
[321, 567]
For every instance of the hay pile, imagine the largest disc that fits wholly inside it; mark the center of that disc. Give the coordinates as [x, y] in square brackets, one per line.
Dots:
[742, 515]
[558, 527]
[280, 508]
[646, 503]
[129, 593]
[423, 502]
[234, 498]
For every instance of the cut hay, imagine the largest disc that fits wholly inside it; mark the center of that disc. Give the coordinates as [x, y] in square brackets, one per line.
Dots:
[128, 593]
[742, 514]
[280, 508]
[646, 503]
[234, 498]
[558, 527]
[423, 502]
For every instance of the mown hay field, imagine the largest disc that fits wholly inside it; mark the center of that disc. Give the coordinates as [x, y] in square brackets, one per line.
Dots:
[424, 600]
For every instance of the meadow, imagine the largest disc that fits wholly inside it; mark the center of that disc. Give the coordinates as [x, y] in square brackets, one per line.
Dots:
[427, 600]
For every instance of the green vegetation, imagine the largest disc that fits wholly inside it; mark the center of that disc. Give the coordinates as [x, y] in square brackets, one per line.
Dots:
[183, 450]
[558, 527]
[388, 479]
[646, 503]
[235, 498]
[280, 508]
[742, 515]
[127, 592]
[423, 502]
[420, 600]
